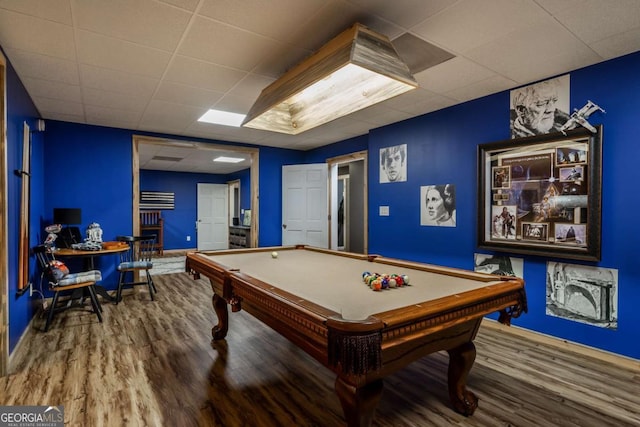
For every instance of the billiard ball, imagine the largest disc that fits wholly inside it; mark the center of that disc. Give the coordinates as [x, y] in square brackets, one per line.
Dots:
[274, 254]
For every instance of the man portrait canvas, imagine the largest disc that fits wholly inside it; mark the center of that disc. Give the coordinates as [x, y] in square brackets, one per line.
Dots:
[540, 108]
[393, 164]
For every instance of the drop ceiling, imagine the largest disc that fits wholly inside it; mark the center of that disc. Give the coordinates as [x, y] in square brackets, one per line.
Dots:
[157, 66]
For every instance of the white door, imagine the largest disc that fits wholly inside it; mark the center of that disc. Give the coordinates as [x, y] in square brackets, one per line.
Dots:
[213, 217]
[304, 205]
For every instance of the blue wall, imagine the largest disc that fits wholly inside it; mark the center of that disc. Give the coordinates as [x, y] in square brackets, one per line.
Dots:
[90, 167]
[20, 109]
[180, 222]
[442, 149]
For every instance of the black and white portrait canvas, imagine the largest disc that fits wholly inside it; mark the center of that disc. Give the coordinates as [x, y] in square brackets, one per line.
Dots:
[393, 164]
[438, 205]
[540, 108]
[501, 265]
[583, 294]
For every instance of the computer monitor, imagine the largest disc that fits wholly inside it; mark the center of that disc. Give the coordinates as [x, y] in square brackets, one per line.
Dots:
[66, 217]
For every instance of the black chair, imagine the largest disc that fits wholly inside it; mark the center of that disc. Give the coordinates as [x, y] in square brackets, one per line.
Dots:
[137, 261]
[60, 282]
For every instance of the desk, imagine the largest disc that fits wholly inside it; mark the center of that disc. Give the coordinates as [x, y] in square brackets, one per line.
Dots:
[88, 256]
[317, 299]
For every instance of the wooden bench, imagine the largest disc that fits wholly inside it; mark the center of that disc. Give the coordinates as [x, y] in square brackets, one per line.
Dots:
[151, 222]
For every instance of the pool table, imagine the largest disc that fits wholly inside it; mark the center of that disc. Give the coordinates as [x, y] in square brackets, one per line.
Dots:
[318, 300]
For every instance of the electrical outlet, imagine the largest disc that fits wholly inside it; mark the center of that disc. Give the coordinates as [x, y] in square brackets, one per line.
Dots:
[188, 238]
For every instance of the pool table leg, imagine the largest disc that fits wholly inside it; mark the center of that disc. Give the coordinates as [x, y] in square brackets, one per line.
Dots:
[219, 331]
[461, 360]
[358, 403]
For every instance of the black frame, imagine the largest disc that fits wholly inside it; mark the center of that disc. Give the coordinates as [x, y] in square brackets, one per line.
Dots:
[535, 194]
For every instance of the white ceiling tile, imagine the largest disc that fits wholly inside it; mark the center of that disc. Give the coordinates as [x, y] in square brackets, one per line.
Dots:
[126, 102]
[314, 31]
[142, 21]
[174, 116]
[275, 20]
[221, 44]
[117, 81]
[58, 105]
[52, 89]
[419, 101]
[188, 95]
[405, 13]
[56, 115]
[44, 67]
[193, 72]
[51, 38]
[280, 59]
[617, 45]
[190, 5]
[106, 115]
[559, 47]
[452, 74]
[481, 88]
[594, 20]
[51, 10]
[471, 23]
[108, 52]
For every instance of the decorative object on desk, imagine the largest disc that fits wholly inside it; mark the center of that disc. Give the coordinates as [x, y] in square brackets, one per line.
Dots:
[94, 233]
[378, 282]
[52, 234]
[246, 218]
[87, 246]
[113, 245]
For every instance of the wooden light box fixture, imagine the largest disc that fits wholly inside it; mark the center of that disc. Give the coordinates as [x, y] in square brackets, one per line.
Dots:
[356, 69]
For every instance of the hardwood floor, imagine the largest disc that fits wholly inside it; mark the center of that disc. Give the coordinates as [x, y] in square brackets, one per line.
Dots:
[151, 363]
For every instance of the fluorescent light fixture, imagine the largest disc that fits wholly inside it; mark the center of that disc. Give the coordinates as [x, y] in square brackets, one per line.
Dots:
[224, 118]
[355, 70]
[223, 159]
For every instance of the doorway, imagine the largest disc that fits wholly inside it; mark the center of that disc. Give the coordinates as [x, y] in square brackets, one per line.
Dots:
[253, 153]
[348, 202]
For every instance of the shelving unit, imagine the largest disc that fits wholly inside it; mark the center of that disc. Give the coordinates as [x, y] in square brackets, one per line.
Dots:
[239, 237]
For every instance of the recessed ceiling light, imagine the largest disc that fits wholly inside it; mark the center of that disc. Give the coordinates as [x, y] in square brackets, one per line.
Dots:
[223, 159]
[225, 118]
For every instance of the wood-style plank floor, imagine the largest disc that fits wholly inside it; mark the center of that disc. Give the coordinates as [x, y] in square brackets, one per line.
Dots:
[151, 363]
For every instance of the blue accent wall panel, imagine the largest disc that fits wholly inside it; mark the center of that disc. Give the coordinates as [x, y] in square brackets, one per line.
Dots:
[180, 221]
[442, 149]
[20, 109]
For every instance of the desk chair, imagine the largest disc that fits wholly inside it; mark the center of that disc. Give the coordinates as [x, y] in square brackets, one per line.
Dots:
[136, 260]
[60, 282]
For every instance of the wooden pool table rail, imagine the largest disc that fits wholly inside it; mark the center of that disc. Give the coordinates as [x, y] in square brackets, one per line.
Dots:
[363, 352]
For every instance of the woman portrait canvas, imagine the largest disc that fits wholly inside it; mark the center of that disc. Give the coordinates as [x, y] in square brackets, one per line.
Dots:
[438, 205]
